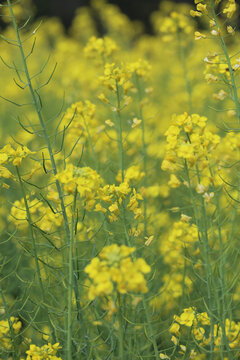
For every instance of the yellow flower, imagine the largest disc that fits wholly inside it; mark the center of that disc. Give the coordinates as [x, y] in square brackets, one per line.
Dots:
[174, 181]
[230, 8]
[195, 13]
[5, 173]
[187, 317]
[115, 269]
[99, 208]
[5, 333]
[174, 329]
[103, 47]
[45, 352]
[199, 35]
[202, 7]
[136, 122]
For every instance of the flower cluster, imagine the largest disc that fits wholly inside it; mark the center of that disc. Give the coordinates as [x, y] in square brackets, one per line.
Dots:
[182, 236]
[15, 155]
[171, 25]
[217, 68]
[81, 126]
[115, 195]
[132, 175]
[217, 29]
[5, 332]
[200, 9]
[230, 8]
[91, 188]
[48, 352]
[10, 155]
[203, 7]
[100, 47]
[4, 172]
[189, 142]
[200, 329]
[117, 77]
[83, 179]
[115, 270]
[188, 139]
[140, 67]
[43, 216]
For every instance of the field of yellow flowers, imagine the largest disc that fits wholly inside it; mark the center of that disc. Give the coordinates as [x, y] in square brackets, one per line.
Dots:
[120, 184]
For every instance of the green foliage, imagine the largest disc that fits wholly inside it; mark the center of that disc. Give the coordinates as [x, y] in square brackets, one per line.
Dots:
[119, 176]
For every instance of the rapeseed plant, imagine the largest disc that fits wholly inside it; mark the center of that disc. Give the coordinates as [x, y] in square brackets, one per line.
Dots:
[120, 184]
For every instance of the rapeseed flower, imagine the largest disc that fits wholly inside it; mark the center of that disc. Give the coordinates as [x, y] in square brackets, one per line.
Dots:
[114, 270]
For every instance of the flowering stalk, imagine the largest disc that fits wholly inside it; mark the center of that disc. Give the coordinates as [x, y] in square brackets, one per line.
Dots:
[223, 306]
[35, 99]
[35, 253]
[121, 330]
[119, 132]
[70, 282]
[204, 234]
[233, 89]
[185, 73]
[150, 334]
[121, 158]
[144, 150]
[225, 51]
[41, 121]
[201, 223]
[96, 163]
[222, 265]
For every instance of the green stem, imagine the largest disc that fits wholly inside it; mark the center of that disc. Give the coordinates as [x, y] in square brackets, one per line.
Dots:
[35, 98]
[121, 160]
[209, 276]
[119, 133]
[96, 163]
[225, 50]
[70, 283]
[203, 236]
[222, 255]
[185, 74]
[223, 311]
[151, 335]
[41, 121]
[6, 309]
[91, 144]
[35, 253]
[120, 326]
[202, 221]
[144, 152]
